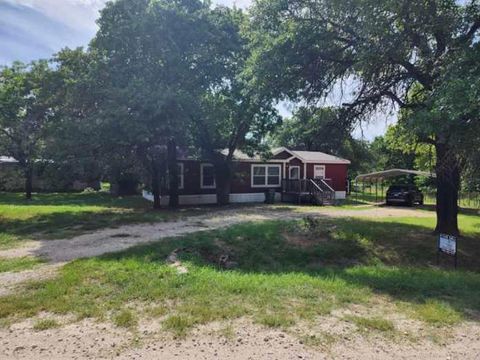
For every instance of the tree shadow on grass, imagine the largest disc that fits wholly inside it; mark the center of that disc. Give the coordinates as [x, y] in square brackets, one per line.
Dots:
[74, 199]
[66, 224]
[461, 210]
[461, 290]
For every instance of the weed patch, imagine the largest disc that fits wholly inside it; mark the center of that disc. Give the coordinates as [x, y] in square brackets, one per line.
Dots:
[179, 324]
[45, 324]
[322, 340]
[18, 264]
[276, 320]
[373, 323]
[125, 318]
[437, 313]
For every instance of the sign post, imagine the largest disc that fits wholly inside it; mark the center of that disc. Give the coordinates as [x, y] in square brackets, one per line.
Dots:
[447, 244]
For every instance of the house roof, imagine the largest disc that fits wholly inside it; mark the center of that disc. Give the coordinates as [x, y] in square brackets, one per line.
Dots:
[304, 156]
[317, 156]
[240, 155]
[11, 160]
[7, 159]
[313, 156]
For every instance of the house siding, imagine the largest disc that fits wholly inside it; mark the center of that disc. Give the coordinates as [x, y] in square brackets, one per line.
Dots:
[241, 186]
[283, 155]
[191, 179]
[294, 162]
[336, 175]
[241, 180]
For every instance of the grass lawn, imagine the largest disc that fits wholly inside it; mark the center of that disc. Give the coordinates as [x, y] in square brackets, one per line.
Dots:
[54, 216]
[285, 273]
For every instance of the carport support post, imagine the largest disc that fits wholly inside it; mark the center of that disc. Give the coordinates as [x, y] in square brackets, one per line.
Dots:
[376, 190]
[383, 194]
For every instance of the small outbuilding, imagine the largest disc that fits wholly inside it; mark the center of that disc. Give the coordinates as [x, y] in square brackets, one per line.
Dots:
[47, 177]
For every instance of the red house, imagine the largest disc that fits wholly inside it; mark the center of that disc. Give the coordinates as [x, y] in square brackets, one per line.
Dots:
[293, 175]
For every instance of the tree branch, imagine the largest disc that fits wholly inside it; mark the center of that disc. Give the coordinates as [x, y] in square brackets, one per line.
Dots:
[422, 78]
[427, 140]
[470, 33]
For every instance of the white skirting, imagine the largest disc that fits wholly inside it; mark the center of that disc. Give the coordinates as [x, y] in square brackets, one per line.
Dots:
[204, 199]
[340, 195]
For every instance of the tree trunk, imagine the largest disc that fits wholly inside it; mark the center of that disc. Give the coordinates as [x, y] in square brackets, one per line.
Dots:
[223, 180]
[448, 183]
[155, 186]
[173, 173]
[28, 182]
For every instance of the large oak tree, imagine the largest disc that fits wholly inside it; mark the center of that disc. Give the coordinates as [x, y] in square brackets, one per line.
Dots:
[155, 60]
[232, 115]
[390, 52]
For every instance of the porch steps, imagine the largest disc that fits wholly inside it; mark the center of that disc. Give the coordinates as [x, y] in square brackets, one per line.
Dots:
[314, 191]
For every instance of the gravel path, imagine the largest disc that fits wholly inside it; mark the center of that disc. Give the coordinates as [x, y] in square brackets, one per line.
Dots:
[112, 240]
[95, 340]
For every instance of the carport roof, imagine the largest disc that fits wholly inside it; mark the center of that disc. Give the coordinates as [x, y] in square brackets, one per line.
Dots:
[380, 175]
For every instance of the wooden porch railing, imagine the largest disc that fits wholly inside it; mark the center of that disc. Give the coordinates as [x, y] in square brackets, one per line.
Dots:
[296, 186]
[317, 189]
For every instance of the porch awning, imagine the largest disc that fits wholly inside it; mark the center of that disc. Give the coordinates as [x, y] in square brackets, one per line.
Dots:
[380, 175]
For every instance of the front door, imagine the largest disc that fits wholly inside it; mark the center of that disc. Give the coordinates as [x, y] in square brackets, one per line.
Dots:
[294, 172]
[319, 171]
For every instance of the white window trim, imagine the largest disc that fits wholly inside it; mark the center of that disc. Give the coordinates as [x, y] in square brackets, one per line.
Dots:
[290, 172]
[202, 186]
[324, 170]
[266, 166]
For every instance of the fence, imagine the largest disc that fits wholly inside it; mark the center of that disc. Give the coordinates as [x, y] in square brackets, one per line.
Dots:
[371, 193]
[468, 200]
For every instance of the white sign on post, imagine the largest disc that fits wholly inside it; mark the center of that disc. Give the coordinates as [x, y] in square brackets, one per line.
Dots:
[447, 244]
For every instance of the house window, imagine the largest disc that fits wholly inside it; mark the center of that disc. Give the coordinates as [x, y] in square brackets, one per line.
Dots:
[207, 176]
[265, 175]
[319, 172]
[294, 172]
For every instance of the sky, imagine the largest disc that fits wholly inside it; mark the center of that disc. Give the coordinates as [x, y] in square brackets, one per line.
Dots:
[36, 29]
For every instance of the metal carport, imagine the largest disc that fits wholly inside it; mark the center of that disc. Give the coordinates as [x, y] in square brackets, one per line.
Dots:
[375, 177]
